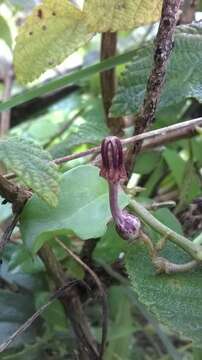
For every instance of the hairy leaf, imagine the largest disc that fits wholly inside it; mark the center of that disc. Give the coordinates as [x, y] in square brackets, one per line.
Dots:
[174, 299]
[52, 32]
[32, 165]
[83, 209]
[114, 15]
[56, 29]
[183, 78]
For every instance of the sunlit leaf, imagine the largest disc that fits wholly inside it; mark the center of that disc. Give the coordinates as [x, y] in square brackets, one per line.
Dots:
[55, 29]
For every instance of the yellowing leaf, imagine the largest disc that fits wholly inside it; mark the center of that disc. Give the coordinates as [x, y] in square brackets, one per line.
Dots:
[53, 32]
[57, 28]
[114, 15]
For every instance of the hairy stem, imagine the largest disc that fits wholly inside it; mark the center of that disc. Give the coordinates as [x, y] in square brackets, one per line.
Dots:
[193, 249]
[163, 48]
[113, 199]
[163, 265]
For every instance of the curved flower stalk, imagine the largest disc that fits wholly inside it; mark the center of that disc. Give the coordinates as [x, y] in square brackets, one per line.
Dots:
[113, 170]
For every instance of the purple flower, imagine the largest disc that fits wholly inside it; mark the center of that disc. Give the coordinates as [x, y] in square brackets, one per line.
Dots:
[113, 170]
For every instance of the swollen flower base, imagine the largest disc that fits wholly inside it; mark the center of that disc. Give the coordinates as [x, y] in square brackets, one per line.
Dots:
[113, 170]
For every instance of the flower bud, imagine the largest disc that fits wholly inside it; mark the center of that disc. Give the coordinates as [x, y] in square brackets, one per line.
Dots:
[128, 226]
[112, 168]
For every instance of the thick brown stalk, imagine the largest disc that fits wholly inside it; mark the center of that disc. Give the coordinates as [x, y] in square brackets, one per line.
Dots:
[13, 193]
[86, 344]
[108, 79]
[163, 48]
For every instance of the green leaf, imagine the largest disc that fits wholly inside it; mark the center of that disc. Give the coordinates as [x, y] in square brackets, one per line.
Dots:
[120, 334]
[109, 246]
[176, 164]
[19, 277]
[146, 162]
[91, 131]
[32, 165]
[166, 217]
[197, 149]
[174, 299]
[5, 33]
[183, 79]
[154, 178]
[185, 177]
[55, 29]
[54, 314]
[14, 311]
[83, 208]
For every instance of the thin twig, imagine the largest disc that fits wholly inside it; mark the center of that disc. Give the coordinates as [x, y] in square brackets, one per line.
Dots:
[151, 138]
[63, 128]
[102, 294]
[30, 321]
[163, 48]
[166, 131]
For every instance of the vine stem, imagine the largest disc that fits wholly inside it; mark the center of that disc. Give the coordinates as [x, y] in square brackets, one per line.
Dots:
[172, 130]
[162, 52]
[151, 138]
[191, 248]
[102, 294]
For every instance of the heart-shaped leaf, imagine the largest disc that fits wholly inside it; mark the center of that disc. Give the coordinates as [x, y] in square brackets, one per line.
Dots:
[83, 209]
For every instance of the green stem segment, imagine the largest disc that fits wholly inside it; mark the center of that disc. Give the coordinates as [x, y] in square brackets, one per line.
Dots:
[193, 249]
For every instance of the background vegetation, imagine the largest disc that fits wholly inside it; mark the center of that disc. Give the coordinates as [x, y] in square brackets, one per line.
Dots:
[92, 294]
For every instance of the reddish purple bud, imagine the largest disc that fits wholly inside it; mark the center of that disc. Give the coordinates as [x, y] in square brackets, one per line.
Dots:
[113, 168]
[128, 226]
